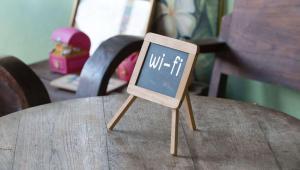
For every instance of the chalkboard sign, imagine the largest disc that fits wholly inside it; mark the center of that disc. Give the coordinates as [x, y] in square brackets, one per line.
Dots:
[162, 70]
[161, 75]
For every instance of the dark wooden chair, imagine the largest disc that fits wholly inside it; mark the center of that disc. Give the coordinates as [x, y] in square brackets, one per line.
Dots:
[19, 86]
[103, 63]
[260, 40]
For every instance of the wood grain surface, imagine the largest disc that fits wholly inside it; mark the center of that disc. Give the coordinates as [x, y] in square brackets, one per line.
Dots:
[73, 135]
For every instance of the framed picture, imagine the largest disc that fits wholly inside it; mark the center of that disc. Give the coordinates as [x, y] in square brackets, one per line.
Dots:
[102, 19]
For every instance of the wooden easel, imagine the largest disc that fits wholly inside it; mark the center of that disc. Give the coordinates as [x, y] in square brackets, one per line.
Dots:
[135, 89]
[175, 117]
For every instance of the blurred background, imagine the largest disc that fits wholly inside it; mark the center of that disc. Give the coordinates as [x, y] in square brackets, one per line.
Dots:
[26, 27]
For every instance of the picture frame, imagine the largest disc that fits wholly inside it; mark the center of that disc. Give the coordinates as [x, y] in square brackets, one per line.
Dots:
[131, 17]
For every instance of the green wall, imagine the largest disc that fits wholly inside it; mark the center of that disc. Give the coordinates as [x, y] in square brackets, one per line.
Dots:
[26, 26]
[229, 6]
[279, 98]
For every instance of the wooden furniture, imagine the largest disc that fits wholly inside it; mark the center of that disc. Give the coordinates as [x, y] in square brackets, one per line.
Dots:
[260, 40]
[257, 41]
[103, 63]
[72, 135]
[20, 88]
[96, 72]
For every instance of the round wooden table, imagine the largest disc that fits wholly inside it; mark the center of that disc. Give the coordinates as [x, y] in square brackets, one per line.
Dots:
[73, 135]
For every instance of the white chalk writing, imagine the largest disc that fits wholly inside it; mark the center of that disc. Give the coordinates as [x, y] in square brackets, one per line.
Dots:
[159, 61]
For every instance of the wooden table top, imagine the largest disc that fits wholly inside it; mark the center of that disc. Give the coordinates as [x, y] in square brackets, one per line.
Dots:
[72, 135]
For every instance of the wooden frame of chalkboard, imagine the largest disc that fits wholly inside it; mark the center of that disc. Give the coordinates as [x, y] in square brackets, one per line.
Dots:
[176, 53]
[172, 102]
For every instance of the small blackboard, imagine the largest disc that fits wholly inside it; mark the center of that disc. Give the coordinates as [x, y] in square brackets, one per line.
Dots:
[161, 75]
[163, 69]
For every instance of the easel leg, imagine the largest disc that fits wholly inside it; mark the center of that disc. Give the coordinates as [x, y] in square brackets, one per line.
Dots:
[189, 111]
[174, 132]
[121, 112]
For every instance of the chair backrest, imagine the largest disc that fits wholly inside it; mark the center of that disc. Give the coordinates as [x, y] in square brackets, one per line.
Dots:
[19, 86]
[263, 38]
[102, 64]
